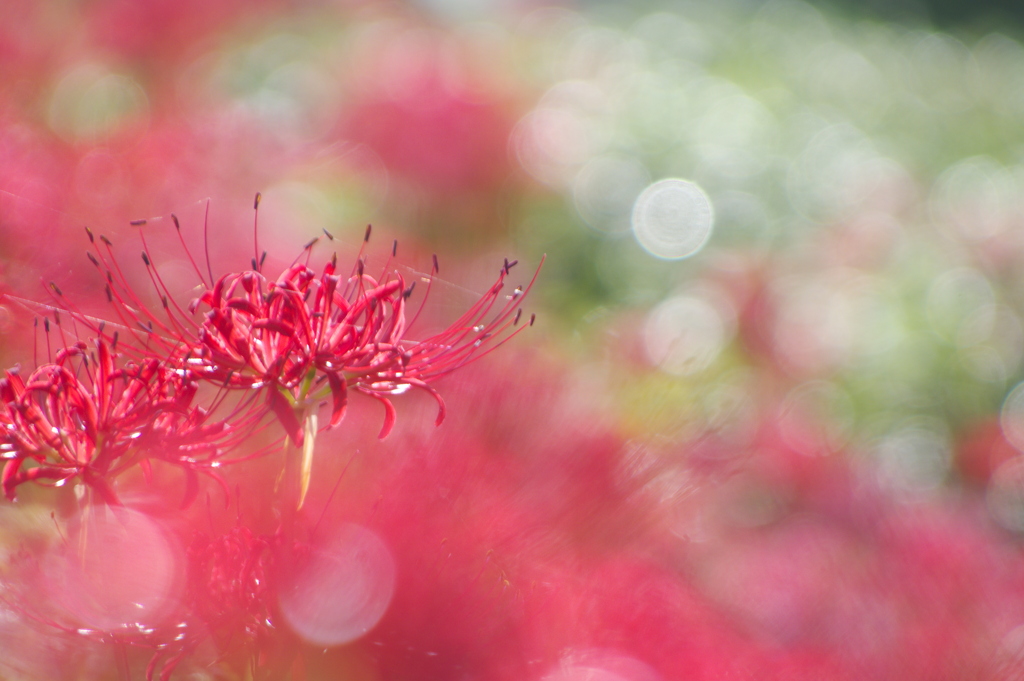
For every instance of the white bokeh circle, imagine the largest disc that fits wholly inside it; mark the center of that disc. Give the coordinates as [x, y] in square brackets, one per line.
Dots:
[672, 219]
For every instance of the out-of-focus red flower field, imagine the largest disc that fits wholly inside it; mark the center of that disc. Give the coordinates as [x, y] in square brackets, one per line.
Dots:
[762, 416]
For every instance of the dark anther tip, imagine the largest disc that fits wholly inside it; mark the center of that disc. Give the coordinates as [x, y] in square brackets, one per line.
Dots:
[437, 268]
[177, 225]
[256, 201]
[366, 237]
[137, 223]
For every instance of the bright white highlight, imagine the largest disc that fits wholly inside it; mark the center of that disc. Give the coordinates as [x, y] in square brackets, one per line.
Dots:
[672, 219]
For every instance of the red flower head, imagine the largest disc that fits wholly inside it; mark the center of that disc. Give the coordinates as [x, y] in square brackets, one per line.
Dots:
[289, 336]
[304, 328]
[92, 416]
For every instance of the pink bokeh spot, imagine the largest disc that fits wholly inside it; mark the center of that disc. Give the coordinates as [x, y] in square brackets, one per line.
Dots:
[119, 571]
[342, 588]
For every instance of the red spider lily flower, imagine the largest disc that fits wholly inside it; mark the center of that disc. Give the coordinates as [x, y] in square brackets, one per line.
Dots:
[229, 581]
[289, 336]
[305, 328]
[228, 599]
[92, 416]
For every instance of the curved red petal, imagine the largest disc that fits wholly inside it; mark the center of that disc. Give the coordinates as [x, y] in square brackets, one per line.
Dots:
[339, 389]
[389, 417]
[285, 413]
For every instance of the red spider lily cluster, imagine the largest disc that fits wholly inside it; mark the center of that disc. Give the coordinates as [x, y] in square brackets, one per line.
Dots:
[280, 346]
[189, 386]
